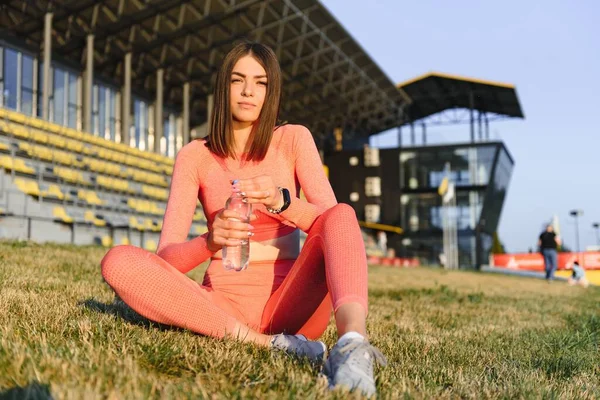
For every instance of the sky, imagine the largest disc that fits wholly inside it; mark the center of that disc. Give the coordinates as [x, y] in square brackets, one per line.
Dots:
[550, 50]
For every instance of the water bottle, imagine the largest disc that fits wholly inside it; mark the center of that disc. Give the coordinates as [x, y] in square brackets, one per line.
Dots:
[236, 257]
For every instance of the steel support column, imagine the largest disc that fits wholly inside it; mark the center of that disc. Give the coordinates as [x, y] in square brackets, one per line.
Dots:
[159, 122]
[47, 61]
[126, 100]
[88, 84]
[186, 113]
[424, 132]
[412, 134]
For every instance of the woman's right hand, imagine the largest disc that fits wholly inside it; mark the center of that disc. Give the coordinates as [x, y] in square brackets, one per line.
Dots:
[229, 230]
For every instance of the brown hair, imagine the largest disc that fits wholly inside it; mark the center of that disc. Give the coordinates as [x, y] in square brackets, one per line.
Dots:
[220, 139]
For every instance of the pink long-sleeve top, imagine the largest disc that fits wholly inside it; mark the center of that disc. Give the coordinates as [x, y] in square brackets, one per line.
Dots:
[292, 161]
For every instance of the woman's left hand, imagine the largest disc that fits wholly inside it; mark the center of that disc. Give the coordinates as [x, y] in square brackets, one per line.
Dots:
[259, 190]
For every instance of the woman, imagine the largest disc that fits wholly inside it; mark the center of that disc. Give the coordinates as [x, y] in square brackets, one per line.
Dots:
[285, 295]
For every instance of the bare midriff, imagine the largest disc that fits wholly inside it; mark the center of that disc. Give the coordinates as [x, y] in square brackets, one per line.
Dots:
[285, 247]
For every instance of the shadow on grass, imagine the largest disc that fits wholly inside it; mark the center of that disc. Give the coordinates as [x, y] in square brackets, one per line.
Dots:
[33, 391]
[120, 309]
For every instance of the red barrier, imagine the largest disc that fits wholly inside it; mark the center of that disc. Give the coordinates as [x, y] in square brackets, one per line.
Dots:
[535, 261]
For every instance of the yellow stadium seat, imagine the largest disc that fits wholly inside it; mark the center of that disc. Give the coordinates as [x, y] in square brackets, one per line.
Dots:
[61, 214]
[55, 128]
[43, 153]
[125, 240]
[113, 183]
[6, 163]
[93, 198]
[107, 241]
[167, 170]
[133, 223]
[90, 217]
[26, 147]
[19, 131]
[70, 175]
[28, 186]
[66, 159]
[4, 146]
[18, 117]
[155, 209]
[160, 194]
[57, 141]
[19, 165]
[40, 137]
[150, 245]
[54, 191]
[16, 164]
[148, 224]
[90, 196]
[74, 146]
[144, 206]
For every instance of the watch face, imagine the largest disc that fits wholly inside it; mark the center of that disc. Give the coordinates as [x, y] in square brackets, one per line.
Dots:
[286, 198]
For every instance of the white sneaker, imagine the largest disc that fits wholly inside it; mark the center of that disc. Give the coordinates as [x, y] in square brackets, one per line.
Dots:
[299, 346]
[350, 365]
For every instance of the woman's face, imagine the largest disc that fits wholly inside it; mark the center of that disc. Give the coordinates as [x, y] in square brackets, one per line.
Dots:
[248, 90]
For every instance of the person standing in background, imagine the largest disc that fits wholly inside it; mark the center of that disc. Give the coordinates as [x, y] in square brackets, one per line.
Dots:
[548, 244]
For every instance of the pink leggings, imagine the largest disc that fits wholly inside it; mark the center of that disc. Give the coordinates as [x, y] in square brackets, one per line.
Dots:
[331, 267]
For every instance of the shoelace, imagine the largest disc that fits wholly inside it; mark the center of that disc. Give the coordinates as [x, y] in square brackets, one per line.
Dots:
[370, 349]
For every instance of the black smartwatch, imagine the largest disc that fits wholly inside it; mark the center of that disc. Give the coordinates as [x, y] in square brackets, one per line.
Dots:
[286, 201]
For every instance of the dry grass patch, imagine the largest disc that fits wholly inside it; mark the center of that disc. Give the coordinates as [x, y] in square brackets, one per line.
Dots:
[446, 335]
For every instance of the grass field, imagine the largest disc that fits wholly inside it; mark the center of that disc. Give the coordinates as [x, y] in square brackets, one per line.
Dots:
[445, 334]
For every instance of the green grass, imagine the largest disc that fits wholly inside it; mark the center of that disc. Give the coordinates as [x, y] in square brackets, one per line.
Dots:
[445, 334]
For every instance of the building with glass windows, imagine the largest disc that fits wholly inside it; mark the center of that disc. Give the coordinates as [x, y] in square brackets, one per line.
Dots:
[398, 187]
[22, 81]
[97, 98]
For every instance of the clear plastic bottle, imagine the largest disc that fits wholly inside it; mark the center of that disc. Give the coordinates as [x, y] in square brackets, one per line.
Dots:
[236, 257]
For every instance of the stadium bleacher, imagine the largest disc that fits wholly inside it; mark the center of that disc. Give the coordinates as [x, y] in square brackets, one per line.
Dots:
[96, 190]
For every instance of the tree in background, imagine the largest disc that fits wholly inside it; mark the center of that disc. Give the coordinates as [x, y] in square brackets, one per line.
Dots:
[497, 246]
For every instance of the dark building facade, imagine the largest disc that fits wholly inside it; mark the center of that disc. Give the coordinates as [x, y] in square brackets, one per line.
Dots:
[399, 187]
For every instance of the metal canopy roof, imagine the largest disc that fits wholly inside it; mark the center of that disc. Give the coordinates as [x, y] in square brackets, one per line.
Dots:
[435, 92]
[329, 80]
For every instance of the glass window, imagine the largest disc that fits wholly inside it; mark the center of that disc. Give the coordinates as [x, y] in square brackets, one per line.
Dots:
[166, 135]
[426, 168]
[112, 121]
[169, 134]
[72, 101]
[10, 78]
[40, 91]
[102, 112]
[136, 121]
[140, 112]
[496, 193]
[58, 98]
[95, 105]
[27, 85]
